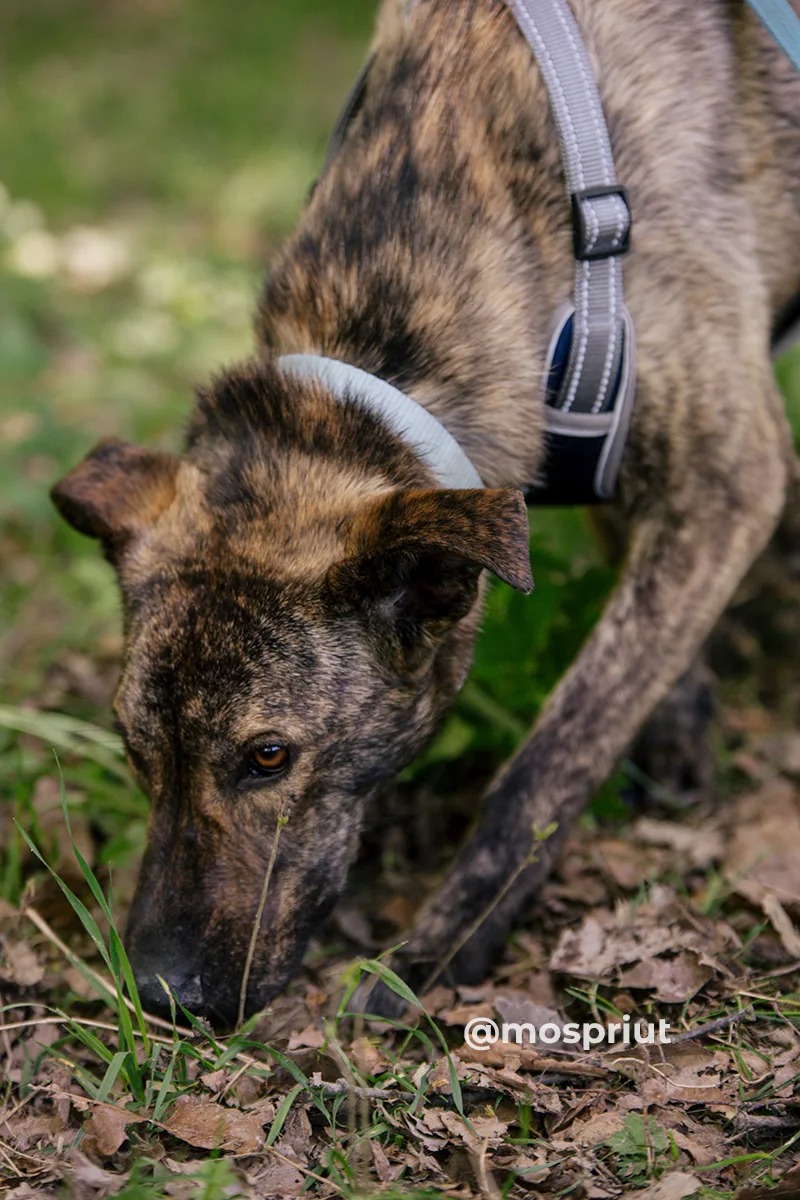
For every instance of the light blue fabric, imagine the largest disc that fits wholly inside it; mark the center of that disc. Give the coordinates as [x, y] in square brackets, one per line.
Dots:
[437, 448]
[783, 23]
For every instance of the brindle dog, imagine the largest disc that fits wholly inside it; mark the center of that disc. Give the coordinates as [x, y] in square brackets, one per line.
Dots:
[301, 600]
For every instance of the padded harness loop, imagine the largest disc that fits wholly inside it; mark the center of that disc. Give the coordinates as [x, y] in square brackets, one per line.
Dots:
[437, 448]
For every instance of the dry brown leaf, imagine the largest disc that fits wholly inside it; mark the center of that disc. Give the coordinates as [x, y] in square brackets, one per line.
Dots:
[675, 1185]
[696, 1075]
[480, 1131]
[310, 1037]
[106, 1130]
[213, 1127]
[788, 1188]
[19, 964]
[674, 979]
[782, 924]
[764, 854]
[596, 1129]
[699, 846]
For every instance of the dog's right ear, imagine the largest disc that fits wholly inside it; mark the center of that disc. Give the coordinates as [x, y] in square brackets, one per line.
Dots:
[117, 491]
[416, 557]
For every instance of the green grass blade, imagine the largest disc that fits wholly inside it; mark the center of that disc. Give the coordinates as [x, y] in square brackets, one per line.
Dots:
[282, 1113]
[112, 1074]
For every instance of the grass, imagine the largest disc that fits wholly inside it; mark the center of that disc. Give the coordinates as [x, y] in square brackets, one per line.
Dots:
[153, 155]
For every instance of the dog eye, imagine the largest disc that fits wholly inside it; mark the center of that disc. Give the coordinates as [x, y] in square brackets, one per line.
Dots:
[268, 760]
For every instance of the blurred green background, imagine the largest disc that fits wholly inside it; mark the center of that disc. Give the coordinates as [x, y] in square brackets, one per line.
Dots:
[152, 155]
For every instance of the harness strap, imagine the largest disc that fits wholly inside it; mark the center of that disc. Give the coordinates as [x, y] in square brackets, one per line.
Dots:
[589, 397]
[601, 217]
[783, 23]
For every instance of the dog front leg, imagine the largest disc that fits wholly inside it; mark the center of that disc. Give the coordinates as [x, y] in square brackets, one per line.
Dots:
[684, 562]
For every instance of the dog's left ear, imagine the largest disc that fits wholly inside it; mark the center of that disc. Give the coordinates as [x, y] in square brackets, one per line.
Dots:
[116, 492]
[416, 557]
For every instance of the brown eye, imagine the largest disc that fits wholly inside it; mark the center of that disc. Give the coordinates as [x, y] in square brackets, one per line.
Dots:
[268, 760]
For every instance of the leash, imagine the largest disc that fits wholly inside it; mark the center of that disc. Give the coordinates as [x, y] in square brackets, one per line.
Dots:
[783, 23]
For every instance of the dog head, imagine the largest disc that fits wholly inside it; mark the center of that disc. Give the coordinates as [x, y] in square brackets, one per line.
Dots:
[295, 625]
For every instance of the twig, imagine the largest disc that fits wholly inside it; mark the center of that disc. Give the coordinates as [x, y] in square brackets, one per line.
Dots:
[483, 1176]
[262, 900]
[363, 1093]
[746, 1014]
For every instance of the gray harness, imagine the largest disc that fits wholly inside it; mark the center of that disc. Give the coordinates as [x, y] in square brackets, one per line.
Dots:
[590, 372]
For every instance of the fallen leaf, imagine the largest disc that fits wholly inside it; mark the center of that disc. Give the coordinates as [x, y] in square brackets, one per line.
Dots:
[782, 924]
[700, 846]
[597, 1129]
[673, 979]
[787, 1188]
[19, 964]
[213, 1127]
[675, 1185]
[311, 1036]
[696, 1075]
[764, 854]
[106, 1130]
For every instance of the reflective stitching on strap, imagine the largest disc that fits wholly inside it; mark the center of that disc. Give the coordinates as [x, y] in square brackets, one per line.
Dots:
[552, 33]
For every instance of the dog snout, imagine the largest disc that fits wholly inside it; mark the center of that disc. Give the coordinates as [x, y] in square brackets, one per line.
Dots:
[182, 981]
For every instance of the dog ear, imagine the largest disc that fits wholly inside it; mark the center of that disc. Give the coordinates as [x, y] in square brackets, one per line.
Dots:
[117, 491]
[417, 556]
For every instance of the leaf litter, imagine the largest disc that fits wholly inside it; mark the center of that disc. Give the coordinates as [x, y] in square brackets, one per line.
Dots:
[692, 921]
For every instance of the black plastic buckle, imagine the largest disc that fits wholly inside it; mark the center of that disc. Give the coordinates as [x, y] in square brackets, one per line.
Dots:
[581, 235]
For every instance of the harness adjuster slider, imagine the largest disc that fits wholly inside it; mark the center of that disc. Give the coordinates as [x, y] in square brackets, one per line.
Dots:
[601, 223]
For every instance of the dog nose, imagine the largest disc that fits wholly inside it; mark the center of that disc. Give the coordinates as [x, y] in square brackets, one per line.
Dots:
[185, 987]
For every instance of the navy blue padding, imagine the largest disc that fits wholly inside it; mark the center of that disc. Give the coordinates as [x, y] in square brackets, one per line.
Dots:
[786, 319]
[558, 363]
[570, 464]
[569, 469]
